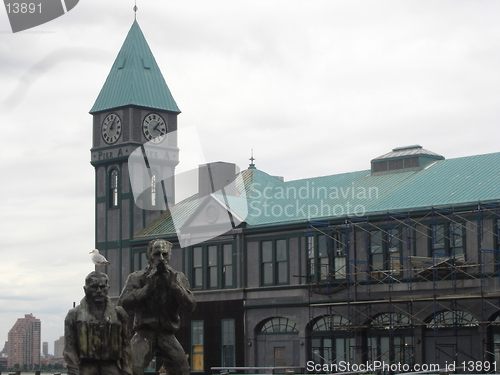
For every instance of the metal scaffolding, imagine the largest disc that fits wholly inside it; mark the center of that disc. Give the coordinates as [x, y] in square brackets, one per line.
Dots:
[410, 287]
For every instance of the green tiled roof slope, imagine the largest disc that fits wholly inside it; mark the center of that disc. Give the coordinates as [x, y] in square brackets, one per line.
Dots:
[135, 78]
[445, 183]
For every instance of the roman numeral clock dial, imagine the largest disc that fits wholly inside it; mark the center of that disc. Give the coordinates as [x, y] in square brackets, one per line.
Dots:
[154, 128]
[111, 128]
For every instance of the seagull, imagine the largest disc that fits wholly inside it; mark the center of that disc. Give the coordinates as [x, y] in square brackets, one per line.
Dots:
[98, 259]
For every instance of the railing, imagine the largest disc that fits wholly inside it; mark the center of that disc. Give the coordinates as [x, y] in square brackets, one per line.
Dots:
[289, 370]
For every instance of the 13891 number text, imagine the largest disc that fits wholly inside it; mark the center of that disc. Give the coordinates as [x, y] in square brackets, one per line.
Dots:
[24, 8]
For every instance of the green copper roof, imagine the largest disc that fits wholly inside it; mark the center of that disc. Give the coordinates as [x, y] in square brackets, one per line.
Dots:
[135, 78]
[446, 183]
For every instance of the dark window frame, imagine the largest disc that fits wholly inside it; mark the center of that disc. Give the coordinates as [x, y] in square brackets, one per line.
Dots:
[211, 267]
[272, 264]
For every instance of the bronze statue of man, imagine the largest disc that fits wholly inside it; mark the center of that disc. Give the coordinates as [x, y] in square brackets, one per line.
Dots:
[155, 295]
[97, 341]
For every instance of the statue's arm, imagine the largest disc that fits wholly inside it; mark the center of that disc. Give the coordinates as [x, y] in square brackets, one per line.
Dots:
[133, 293]
[183, 293]
[70, 352]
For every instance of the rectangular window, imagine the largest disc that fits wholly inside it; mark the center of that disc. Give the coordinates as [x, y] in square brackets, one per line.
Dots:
[394, 246]
[197, 349]
[228, 343]
[311, 251]
[113, 189]
[282, 261]
[323, 257]
[376, 250]
[438, 239]
[274, 262]
[227, 261]
[267, 262]
[411, 162]
[456, 238]
[197, 267]
[380, 166]
[395, 164]
[339, 255]
[327, 256]
[385, 250]
[447, 239]
[213, 268]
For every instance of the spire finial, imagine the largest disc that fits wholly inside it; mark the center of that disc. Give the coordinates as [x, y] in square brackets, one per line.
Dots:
[252, 165]
[135, 10]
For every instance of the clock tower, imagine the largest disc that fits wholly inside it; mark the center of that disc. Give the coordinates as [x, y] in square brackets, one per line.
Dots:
[134, 109]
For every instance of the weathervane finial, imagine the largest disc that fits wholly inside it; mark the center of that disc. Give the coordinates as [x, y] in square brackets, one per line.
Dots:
[252, 165]
[135, 10]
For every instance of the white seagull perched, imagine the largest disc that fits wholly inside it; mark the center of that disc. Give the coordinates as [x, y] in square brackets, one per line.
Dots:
[98, 259]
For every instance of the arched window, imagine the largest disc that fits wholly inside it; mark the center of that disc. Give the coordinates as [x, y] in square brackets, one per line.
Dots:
[330, 322]
[113, 188]
[279, 325]
[331, 341]
[495, 336]
[451, 335]
[391, 321]
[452, 318]
[276, 339]
[390, 338]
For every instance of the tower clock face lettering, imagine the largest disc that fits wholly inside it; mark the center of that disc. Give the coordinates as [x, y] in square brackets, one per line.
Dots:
[154, 128]
[111, 128]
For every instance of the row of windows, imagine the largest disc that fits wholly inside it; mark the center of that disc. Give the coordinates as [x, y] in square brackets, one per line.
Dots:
[332, 338]
[328, 323]
[327, 254]
[113, 187]
[213, 266]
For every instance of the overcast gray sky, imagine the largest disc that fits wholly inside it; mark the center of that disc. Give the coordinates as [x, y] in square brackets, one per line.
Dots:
[314, 87]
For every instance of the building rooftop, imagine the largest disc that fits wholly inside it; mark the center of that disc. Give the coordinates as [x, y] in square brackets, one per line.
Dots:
[135, 78]
[270, 201]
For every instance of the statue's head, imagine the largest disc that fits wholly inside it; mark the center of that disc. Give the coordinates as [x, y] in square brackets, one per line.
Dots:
[96, 286]
[159, 252]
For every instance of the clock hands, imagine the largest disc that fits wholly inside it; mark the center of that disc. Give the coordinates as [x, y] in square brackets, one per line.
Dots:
[111, 128]
[160, 131]
[154, 128]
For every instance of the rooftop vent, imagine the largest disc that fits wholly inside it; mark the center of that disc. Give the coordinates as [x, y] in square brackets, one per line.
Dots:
[404, 159]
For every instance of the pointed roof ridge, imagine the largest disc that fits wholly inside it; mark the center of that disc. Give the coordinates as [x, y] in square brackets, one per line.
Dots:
[135, 78]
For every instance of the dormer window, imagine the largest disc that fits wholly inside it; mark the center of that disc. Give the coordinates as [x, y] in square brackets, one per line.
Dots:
[404, 159]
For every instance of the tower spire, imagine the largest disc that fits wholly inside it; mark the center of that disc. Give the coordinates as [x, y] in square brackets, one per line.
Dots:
[135, 78]
[252, 165]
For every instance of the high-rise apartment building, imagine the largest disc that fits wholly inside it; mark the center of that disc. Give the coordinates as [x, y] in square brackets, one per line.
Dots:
[24, 342]
[45, 349]
[59, 347]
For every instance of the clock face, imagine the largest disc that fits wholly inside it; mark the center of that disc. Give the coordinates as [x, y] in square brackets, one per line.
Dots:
[111, 128]
[154, 127]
